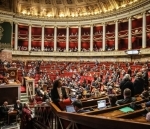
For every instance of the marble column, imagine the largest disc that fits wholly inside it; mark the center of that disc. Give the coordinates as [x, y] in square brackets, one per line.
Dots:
[116, 35]
[16, 37]
[104, 37]
[91, 38]
[79, 38]
[144, 31]
[130, 33]
[67, 39]
[29, 43]
[55, 38]
[43, 35]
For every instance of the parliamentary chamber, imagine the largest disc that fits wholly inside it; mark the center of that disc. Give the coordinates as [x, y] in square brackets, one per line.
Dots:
[73, 30]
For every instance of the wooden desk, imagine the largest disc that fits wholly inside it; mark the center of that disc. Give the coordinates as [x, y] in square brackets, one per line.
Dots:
[140, 119]
[112, 113]
[11, 113]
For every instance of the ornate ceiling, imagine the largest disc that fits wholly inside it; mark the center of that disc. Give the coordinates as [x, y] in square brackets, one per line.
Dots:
[64, 8]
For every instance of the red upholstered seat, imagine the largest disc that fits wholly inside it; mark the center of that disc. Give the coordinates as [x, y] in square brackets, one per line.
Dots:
[23, 89]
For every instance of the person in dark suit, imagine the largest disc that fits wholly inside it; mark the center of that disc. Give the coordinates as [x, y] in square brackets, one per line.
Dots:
[4, 111]
[126, 83]
[78, 106]
[129, 71]
[127, 97]
[18, 108]
[138, 84]
[112, 100]
[58, 93]
[145, 78]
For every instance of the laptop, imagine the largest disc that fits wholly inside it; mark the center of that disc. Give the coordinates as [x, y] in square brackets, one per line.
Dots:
[73, 99]
[70, 109]
[101, 104]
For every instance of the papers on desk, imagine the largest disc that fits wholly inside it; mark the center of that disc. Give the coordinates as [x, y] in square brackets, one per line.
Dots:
[2, 84]
[126, 109]
[11, 81]
[90, 99]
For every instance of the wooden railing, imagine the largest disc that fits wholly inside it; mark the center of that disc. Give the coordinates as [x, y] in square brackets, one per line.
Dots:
[52, 117]
[45, 118]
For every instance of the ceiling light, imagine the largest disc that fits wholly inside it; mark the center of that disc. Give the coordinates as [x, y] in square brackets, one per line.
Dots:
[24, 12]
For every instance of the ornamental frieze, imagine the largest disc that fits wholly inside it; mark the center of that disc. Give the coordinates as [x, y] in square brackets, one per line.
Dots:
[1, 32]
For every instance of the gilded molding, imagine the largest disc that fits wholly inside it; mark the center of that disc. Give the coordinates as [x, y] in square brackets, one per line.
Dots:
[94, 17]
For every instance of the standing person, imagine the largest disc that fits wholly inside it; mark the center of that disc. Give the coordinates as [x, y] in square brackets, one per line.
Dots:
[129, 71]
[138, 84]
[58, 93]
[126, 83]
[145, 78]
[26, 120]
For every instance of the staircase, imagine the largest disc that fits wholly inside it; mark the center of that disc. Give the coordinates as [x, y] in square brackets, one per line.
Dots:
[24, 98]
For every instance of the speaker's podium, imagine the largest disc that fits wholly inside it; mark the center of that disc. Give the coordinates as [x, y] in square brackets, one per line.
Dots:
[29, 84]
[10, 92]
[9, 86]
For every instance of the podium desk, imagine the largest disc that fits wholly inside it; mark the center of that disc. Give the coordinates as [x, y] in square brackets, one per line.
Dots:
[11, 113]
[10, 92]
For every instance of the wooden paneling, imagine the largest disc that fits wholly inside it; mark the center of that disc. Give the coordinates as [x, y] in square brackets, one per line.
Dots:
[9, 94]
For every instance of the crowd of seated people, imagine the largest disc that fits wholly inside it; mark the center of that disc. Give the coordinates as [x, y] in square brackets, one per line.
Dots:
[73, 49]
[106, 79]
[108, 48]
[97, 49]
[59, 49]
[74, 34]
[86, 34]
[85, 49]
[61, 34]
[48, 49]
[22, 48]
[37, 49]
[98, 32]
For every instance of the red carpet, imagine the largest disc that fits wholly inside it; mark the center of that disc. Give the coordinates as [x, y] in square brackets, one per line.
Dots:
[23, 89]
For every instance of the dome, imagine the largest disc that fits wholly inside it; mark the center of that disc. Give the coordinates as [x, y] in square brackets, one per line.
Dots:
[66, 9]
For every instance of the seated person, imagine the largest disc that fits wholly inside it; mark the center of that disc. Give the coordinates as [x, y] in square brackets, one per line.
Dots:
[46, 96]
[148, 116]
[145, 95]
[78, 106]
[4, 111]
[127, 97]
[112, 100]
[39, 92]
[110, 90]
[18, 108]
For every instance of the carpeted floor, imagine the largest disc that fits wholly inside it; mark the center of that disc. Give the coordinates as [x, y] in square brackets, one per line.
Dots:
[23, 89]
[12, 126]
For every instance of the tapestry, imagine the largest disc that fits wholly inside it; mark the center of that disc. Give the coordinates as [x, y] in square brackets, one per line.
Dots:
[5, 34]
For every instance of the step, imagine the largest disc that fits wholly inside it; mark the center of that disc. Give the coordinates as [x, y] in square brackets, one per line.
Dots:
[23, 100]
[22, 94]
[23, 97]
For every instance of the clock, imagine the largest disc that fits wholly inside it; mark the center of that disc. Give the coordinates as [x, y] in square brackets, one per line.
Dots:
[12, 73]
